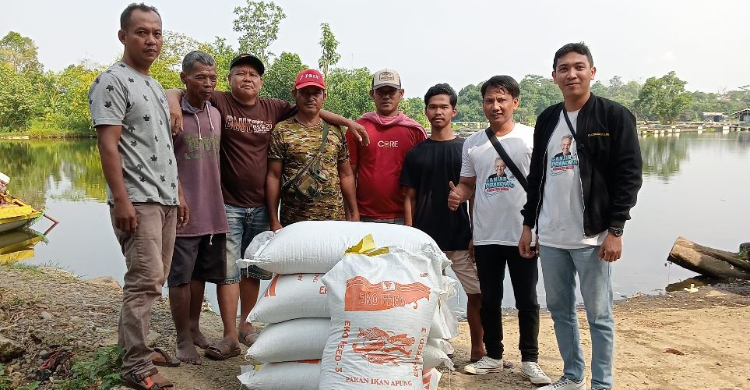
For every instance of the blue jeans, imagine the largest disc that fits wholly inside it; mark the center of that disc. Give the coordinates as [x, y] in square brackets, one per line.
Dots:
[244, 225]
[559, 267]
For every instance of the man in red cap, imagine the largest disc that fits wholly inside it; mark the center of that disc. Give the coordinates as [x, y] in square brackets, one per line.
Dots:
[308, 162]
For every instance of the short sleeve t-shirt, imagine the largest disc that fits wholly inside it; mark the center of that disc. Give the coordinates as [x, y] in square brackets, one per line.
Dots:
[498, 197]
[122, 96]
[294, 144]
[246, 131]
[428, 167]
[196, 150]
[379, 167]
[561, 216]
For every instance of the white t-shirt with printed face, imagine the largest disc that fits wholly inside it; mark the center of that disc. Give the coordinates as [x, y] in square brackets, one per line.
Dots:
[561, 217]
[498, 198]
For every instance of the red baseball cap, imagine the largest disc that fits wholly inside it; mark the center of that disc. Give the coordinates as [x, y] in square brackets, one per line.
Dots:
[309, 77]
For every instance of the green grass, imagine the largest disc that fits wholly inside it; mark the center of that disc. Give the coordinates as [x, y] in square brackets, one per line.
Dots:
[33, 269]
[99, 369]
[5, 382]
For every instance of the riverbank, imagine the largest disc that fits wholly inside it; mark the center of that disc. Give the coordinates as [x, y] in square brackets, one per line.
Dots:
[46, 133]
[678, 340]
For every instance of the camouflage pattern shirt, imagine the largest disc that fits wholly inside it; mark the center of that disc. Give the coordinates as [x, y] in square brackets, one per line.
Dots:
[294, 144]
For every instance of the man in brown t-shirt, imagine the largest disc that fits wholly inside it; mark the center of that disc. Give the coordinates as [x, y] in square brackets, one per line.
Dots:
[246, 121]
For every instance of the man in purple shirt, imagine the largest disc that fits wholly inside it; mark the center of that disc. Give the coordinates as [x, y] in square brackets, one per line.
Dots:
[199, 250]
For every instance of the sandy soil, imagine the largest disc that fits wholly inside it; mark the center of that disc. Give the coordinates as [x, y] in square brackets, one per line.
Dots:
[709, 328]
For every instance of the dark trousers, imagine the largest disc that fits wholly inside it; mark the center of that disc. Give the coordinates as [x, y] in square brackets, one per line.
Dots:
[524, 274]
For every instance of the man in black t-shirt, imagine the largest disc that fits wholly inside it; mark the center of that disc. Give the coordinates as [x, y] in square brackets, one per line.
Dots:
[427, 168]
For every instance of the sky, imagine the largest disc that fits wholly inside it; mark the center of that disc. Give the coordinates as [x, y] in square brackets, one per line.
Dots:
[459, 42]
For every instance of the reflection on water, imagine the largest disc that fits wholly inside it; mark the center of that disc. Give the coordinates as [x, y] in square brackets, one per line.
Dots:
[698, 281]
[692, 184]
[53, 169]
[19, 245]
[662, 155]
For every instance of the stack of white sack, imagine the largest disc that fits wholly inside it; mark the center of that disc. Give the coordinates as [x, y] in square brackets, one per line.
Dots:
[290, 347]
[294, 305]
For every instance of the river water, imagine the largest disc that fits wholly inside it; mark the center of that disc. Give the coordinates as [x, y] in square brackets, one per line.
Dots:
[695, 185]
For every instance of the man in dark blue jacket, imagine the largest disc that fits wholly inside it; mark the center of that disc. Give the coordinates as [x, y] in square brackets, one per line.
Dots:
[579, 200]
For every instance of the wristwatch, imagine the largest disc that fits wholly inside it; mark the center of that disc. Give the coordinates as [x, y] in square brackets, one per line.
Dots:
[617, 232]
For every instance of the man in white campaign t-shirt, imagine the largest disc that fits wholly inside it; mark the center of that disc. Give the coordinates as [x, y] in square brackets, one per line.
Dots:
[498, 199]
[584, 178]
[562, 214]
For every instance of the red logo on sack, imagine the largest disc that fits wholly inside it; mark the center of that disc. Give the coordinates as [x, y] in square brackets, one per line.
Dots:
[271, 291]
[361, 295]
[382, 347]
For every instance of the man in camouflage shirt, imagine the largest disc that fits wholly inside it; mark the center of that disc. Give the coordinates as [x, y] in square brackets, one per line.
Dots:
[309, 187]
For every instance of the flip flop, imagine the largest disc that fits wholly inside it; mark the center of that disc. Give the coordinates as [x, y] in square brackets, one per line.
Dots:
[169, 361]
[253, 336]
[217, 351]
[142, 381]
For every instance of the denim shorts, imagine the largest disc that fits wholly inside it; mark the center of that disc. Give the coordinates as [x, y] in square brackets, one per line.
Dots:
[244, 225]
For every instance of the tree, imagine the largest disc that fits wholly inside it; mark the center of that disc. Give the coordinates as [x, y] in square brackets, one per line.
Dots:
[414, 108]
[17, 99]
[279, 78]
[349, 92]
[664, 98]
[328, 44]
[66, 104]
[469, 104]
[537, 93]
[258, 23]
[20, 52]
[166, 69]
[223, 54]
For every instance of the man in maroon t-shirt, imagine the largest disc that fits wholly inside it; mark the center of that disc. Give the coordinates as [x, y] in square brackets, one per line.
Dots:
[378, 165]
[246, 122]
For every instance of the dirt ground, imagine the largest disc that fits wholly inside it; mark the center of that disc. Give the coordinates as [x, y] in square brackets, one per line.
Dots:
[706, 332]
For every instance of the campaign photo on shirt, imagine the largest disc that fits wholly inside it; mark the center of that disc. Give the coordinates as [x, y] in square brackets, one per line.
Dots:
[499, 197]
[500, 180]
[566, 160]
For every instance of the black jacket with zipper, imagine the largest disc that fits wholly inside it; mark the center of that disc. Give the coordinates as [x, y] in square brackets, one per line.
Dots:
[610, 163]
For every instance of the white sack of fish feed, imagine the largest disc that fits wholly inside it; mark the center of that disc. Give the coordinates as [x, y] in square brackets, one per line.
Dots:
[382, 305]
[303, 375]
[445, 322]
[431, 379]
[433, 355]
[300, 339]
[316, 246]
[290, 297]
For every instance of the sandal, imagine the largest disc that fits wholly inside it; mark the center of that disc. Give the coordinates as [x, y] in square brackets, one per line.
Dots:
[169, 361]
[222, 351]
[244, 335]
[142, 381]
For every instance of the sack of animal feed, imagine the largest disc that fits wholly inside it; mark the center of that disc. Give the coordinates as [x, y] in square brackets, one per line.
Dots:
[444, 322]
[290, 297]
[316, 246]
[300, 339]
[433, 355]
[431, 379]
[301, 375]
[382, 305]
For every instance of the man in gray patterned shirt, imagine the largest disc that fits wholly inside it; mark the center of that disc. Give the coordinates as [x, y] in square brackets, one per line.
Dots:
[130, 113]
